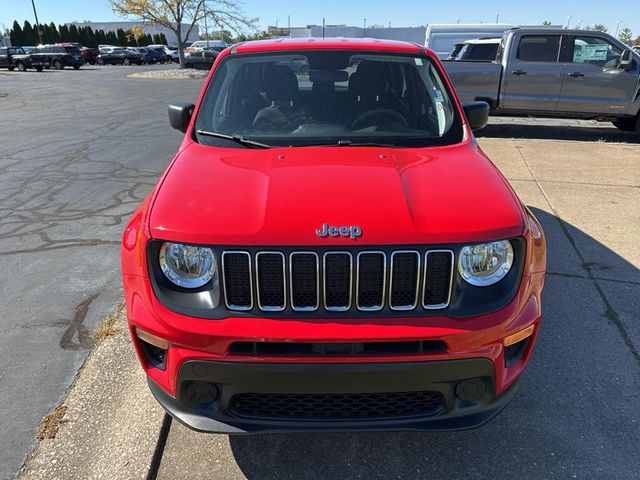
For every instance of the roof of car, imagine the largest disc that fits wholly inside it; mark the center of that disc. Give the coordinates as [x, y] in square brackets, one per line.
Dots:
[337, 43]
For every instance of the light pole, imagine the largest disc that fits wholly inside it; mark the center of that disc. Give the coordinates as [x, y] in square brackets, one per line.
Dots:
[568, 21]
[289, 24]
[458, 21]
[617, 27]
[497, 17]
[35, 14]
[364, 23]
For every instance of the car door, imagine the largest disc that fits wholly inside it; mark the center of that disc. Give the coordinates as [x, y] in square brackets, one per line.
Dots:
[594, 83]
[533, 74]
[4, 58]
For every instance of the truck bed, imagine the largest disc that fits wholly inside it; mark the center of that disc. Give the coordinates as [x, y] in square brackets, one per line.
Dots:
[475, 80]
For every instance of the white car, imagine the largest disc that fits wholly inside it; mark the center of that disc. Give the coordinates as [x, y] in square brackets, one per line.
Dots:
[201, 44]
[172, 53]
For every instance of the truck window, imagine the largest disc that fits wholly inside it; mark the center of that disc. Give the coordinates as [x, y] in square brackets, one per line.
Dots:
[596, 51]
[538, 48]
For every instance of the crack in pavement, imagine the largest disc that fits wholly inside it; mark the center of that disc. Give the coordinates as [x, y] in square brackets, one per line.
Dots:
[76, 326]
[610, 313]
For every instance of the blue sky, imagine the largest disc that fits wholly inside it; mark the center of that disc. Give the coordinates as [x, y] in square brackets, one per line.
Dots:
[352, 12]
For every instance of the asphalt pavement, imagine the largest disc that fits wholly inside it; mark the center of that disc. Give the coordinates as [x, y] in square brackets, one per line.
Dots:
[81, 149]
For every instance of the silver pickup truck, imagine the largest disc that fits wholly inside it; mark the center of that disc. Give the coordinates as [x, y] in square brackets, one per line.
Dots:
[556, 73]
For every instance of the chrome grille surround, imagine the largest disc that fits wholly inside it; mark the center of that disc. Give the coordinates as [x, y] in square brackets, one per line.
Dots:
[283, 305]
[291, 283]
[417, 283]
[437, 306]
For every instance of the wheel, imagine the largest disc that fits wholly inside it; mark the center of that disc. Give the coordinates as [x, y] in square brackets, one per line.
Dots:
[126, 61]
[188, 65]
[57, 64]
[92, 62]
[138, 62]
[11, 69]
[76, 67]
[21, 67]
[100, 61]
[39, 68]
[625, 124]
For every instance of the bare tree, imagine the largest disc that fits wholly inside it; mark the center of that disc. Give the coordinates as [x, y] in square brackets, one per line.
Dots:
[180, 16]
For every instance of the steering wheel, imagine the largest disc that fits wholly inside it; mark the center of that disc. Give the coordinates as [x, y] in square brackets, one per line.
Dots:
[364, 117]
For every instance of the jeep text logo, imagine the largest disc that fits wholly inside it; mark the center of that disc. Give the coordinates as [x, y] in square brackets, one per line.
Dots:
[352, 231]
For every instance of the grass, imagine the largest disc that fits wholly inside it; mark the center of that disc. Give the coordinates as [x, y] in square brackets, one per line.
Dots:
[51, 423]
[109, 326]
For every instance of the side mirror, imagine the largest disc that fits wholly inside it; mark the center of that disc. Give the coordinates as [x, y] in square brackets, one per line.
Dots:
[477, 114]
[180, 115]
[626, 60]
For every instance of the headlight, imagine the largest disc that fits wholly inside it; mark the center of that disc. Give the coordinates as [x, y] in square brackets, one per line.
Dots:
[186, 265]
[487, 263]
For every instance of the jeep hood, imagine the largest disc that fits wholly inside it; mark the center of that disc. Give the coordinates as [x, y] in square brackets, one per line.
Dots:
[281, 196]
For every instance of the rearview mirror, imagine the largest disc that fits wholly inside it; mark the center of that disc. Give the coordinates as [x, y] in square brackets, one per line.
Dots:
[626, 60]
[180, 115]
[477, 114]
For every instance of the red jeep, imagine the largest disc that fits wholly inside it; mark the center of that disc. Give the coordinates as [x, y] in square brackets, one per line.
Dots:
[330, 249]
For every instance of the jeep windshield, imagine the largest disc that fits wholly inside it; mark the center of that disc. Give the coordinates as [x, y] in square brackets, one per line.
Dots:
[328, 97]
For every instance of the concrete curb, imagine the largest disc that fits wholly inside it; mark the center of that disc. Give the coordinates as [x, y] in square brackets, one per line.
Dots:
[111, 423]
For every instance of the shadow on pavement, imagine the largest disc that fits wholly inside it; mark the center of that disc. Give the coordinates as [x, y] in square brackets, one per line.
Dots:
[575, 414]
[560, 132]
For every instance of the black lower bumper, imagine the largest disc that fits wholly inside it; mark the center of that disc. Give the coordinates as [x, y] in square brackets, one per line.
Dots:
[459, 408]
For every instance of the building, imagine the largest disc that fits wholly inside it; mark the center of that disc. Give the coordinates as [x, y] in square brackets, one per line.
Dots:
[148, 28]
[408, 34]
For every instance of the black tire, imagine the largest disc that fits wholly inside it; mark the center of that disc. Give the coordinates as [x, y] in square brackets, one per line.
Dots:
[625, 124]
[57, 64]
[138, 62]
[76, 67]
[188, 65]
[126, 61]
[92, 62]
[11, 69]
[21, 67]
[39, 68]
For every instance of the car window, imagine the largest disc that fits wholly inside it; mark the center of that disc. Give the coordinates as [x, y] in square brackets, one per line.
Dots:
[3, 51]
[538, 48]
[596, 51]
[328, 98]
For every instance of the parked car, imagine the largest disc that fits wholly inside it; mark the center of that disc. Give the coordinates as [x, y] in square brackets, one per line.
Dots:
[441, 38]
[202, 44]
[14, 58]
[162, 55]
[332, 257]
[89, 55]
[476, 50]
[201, 59]
[594, 77]
[149, 55]
[58, 56]
[118, 55]
[171, 53]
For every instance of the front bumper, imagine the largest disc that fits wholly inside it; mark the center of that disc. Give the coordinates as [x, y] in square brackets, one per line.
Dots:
[460, 407]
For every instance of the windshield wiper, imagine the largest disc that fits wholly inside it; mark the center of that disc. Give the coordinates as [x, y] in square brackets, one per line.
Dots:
[349, 143]
[234, 138]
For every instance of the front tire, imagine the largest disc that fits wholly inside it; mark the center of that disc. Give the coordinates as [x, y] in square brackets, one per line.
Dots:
[126, 62]
[76, 67]
[39, 68]
[57, 64]
[21, 67]
[11, 69]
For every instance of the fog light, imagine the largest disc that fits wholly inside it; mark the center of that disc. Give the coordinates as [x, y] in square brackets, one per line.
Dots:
[154, 348]
[471, 390]
[201, 393]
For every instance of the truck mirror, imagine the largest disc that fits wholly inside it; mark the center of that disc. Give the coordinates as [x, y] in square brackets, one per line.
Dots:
[477, 114]
[180, 115]
[626, 60]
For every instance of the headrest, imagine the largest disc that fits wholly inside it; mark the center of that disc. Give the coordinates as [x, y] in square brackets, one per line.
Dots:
[370, 79]
[281, 83]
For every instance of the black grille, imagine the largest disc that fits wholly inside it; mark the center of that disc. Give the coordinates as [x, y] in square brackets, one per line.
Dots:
[270, 275]
[371, 278]
[237, 280]
[337, 274]
[304, 281]
[337, 348]
[437, 278]
[404, 280]
[337, 281]
[344, 406]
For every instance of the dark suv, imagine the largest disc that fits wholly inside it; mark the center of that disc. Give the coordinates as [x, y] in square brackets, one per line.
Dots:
[58, 56]
[16, 58]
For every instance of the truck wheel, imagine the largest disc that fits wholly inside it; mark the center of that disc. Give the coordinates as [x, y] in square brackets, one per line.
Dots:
[57, 64]
[126, 61]
[625, 124]
[92, 62]
[76, 67]
[11, 69]
[21, 67]
[39, 68]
